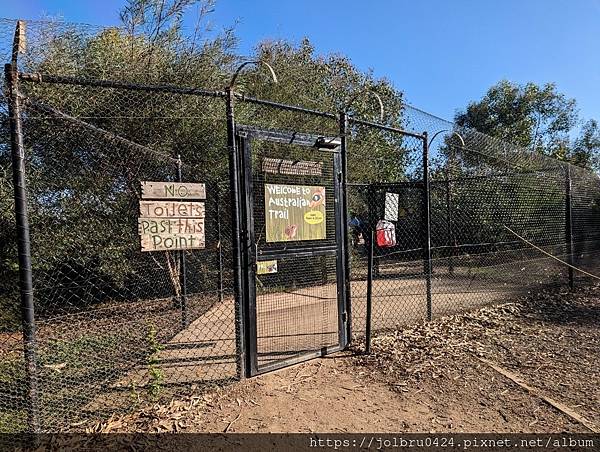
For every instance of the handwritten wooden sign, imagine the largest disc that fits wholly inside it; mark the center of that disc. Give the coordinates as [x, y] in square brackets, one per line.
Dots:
[173, 190]
[171, 209]
[172, 242]
[170, 226]
[165, 225]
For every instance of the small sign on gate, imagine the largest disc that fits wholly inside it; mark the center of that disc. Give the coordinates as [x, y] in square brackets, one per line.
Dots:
[165, 225]
[266, 267]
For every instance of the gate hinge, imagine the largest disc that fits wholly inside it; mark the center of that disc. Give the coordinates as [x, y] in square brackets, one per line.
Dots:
[339, 176]
[344, 316]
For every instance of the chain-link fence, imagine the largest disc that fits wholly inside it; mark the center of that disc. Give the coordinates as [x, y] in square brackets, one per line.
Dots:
[115, 326]
[435, 220]
[497, 215]
[385, 195]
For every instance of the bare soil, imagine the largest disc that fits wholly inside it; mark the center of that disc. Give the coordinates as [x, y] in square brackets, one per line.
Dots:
[427, 378]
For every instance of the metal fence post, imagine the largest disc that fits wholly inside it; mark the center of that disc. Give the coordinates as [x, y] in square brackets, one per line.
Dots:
[373, 204]
[426, 225]
[449, 234]
[449, 229]
[344, 159]
[23, 235]
[369, 292]
[569, 224]
[234, 180]
[219, 239]
[182, 266]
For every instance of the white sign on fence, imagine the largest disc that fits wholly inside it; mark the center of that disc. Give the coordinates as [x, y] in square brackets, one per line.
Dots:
[392, 201]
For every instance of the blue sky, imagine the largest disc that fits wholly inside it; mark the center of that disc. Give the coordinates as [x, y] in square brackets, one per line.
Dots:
[442, 54]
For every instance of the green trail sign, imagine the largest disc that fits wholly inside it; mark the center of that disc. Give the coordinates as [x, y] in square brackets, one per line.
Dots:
[294, 212]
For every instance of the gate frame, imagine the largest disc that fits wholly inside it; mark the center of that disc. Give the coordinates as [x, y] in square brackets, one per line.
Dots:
[244, 135]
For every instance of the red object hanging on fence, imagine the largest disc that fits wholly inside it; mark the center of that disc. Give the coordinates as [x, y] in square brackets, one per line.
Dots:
[386, 234]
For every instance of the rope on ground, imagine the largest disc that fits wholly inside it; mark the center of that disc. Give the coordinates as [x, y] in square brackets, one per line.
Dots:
[559, 406]
[550, 255]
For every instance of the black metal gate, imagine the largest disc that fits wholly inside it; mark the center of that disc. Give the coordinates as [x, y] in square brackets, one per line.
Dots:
[294, 274]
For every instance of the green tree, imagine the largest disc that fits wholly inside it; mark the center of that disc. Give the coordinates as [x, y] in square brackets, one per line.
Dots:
[536, 117]
[586, 149]
[328, 83]
[529, 115]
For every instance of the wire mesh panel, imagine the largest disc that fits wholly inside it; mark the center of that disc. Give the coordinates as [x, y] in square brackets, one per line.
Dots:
[476, 259]
[12, 367]
[385, 195]
[487, 204]
[585, 217]
[296, 309]
[118, 325]
[294, 211]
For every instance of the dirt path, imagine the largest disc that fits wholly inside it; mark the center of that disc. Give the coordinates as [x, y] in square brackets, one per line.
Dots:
[424, 379]
[335, 395]
[303, 319]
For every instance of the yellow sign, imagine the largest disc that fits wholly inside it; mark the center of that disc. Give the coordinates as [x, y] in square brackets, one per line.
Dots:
[314, 217]
[294, 212]
[266, 267]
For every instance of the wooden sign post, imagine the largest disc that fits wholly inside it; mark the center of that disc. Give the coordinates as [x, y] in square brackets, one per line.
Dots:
[173, 190]
[171, 218]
